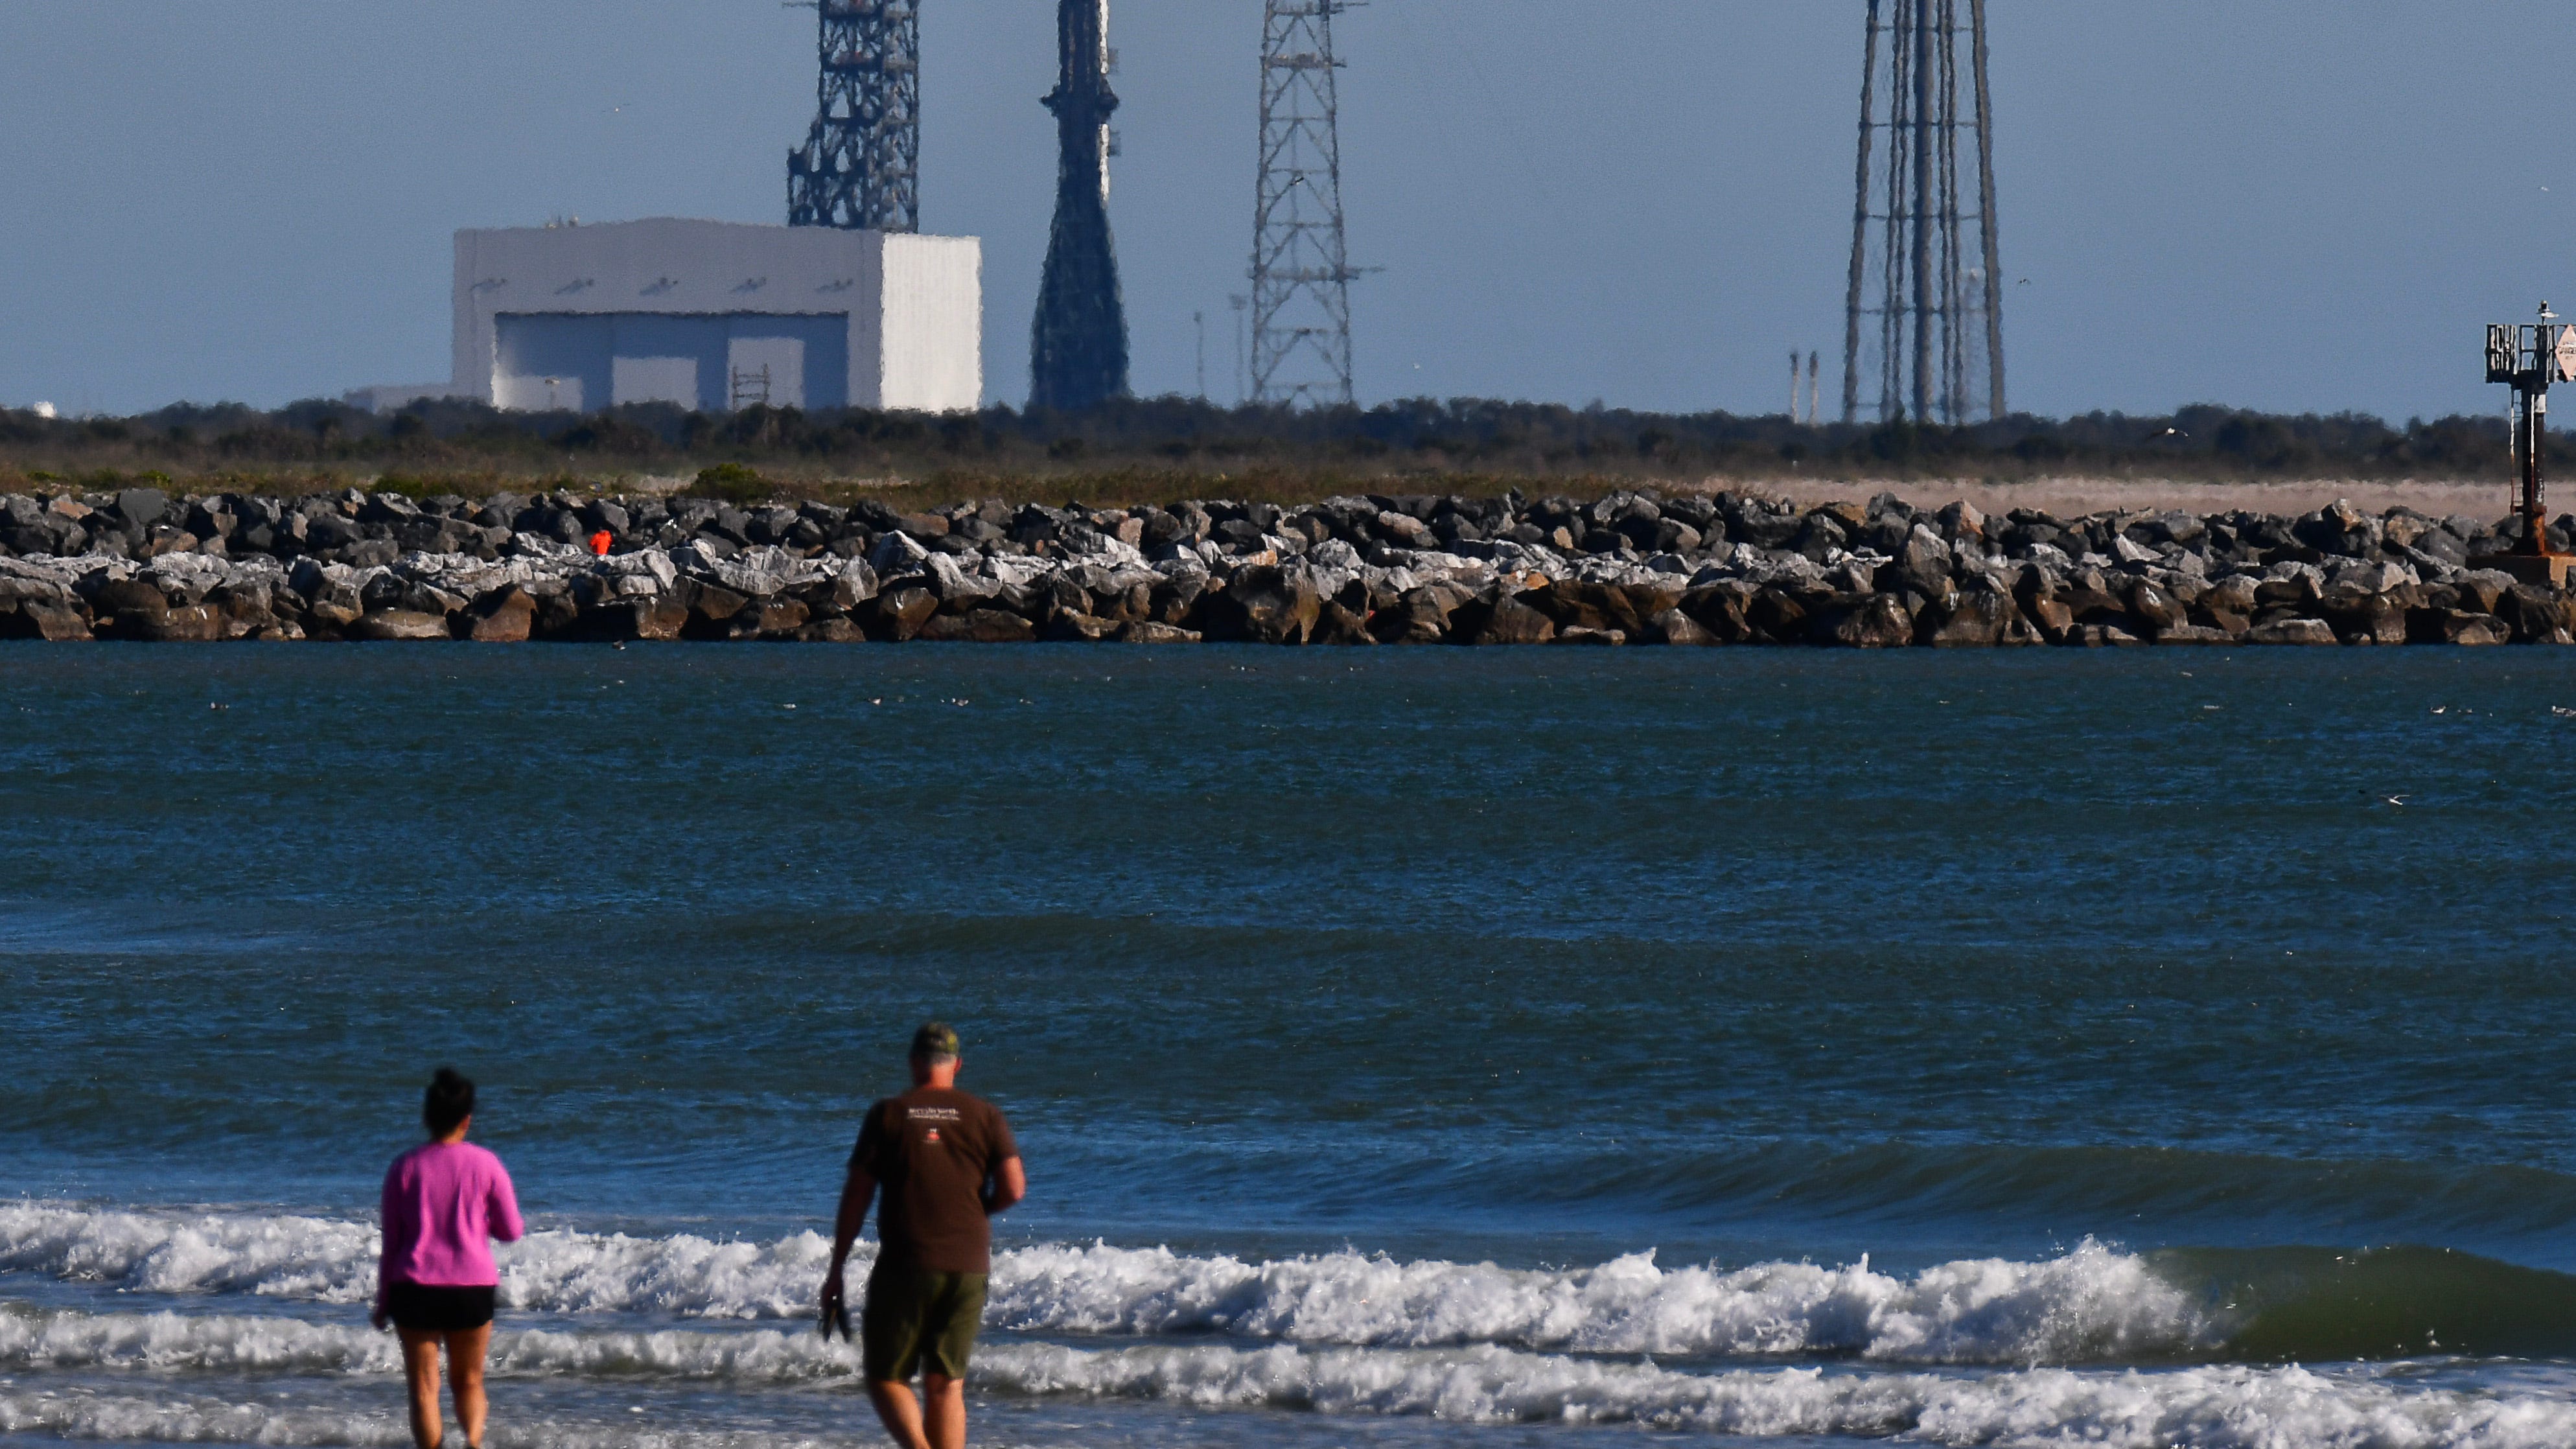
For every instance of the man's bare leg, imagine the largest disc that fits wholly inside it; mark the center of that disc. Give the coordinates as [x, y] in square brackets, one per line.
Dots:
[420, 1368]
[900, 1412]
[944, 1412]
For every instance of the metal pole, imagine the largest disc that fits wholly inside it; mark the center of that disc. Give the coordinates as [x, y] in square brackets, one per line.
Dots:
[2535, 432]
[1986, 214]
[1922, 220]
[1860, 222]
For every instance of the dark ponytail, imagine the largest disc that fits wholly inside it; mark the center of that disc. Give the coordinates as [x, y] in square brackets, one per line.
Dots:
[449, 1100]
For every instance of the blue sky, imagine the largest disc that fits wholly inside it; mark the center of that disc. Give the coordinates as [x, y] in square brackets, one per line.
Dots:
[2270, 203]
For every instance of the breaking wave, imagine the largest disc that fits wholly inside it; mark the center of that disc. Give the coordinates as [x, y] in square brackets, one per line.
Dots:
[2214, 1406]
[2090, 1305]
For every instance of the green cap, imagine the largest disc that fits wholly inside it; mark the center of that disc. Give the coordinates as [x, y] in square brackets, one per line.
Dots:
[937, 1039]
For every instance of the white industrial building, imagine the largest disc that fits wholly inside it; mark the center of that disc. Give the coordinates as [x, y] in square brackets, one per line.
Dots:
[712, 316]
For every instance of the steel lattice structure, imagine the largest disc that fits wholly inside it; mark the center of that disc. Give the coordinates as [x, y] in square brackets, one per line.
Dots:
[1935, 291]
[860, 166]
[1078, 346]
[1301, 272]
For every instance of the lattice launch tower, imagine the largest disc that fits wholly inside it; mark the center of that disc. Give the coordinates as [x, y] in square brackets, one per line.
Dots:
[1301, 272]
[859, 168]
[1925, 310]
[1078, 346]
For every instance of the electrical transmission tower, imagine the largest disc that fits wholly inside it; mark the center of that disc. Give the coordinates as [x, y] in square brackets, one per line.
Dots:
[1301, 272]
[1926, 271]
[861, 162]
[1078, 346]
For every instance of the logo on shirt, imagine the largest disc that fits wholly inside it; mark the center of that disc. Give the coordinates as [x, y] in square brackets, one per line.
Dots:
[931, 1136]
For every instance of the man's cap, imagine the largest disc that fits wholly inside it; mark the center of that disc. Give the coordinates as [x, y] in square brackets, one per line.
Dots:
[936, 1039]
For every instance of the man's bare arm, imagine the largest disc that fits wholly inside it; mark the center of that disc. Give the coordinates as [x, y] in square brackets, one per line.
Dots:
[1010, 1183]
[856, 1193]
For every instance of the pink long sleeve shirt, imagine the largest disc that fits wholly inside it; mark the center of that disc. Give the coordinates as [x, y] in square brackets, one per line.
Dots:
[443, 1202]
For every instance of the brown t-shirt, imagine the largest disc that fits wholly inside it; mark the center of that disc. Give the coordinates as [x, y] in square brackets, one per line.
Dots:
[931, 1152]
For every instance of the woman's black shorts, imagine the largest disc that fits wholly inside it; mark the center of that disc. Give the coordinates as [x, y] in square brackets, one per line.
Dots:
[425, 1308]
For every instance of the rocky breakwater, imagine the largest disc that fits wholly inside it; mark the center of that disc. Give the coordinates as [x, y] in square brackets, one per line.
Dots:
[1631, 568]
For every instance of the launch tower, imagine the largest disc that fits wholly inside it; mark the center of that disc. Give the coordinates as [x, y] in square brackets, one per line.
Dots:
[1078, 346]
[1925, 308]
[1301, 272]
[859, 168]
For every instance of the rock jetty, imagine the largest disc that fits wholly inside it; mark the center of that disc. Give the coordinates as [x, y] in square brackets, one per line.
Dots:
[1631, 568]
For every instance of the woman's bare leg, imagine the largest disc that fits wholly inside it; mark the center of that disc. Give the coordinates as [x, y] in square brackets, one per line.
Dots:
[465, 1370]
[420, 1374]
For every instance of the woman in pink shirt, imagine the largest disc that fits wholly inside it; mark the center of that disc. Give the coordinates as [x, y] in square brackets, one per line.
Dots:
[443, 1201]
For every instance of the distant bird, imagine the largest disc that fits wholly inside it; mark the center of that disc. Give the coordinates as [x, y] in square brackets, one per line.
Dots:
[2441, 709]
[2397, 800]
[2024, 282]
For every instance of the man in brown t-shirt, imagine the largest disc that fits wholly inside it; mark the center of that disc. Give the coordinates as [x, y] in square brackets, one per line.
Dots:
[947, 1163]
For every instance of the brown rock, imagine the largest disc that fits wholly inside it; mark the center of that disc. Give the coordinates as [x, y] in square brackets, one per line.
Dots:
[1719, 608]
[776, 618]
[1974, 619]
[983, 626]
[715, 604]
[55, 623]
[128, 596]
[1271, 606]
[835, 630]
[2455, 626]
[2291, 631]
[2156, 609]
[1673, 626]
[1336, 624]
[1513, 622]
[1421, 616]
[901, 613]
[1777, 616]
[2105, 636]
[2538, 615]
[195, 624]
[389, 625]
[503, 618]
[1581, 635]
[1645, 601]
[1079, 628]
[1146, 631]
[1864, 621]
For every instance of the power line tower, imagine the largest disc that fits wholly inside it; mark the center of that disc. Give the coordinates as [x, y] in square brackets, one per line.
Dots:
[1078, 346]
[1934, 289]
[1301, 272]
[860, 165]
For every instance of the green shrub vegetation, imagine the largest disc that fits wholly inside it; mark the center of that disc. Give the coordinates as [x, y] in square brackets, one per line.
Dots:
[1166, 449]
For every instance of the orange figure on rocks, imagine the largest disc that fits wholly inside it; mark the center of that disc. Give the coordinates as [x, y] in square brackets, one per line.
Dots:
[600, 541]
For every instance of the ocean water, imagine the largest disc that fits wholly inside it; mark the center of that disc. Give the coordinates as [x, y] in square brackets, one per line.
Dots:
[1417, 1049]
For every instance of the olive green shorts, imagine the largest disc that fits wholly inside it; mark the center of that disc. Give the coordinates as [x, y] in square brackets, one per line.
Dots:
[916, 1319]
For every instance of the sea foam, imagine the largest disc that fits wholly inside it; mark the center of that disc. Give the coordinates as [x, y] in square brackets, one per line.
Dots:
[2218, 1407]
[2089, 1305]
